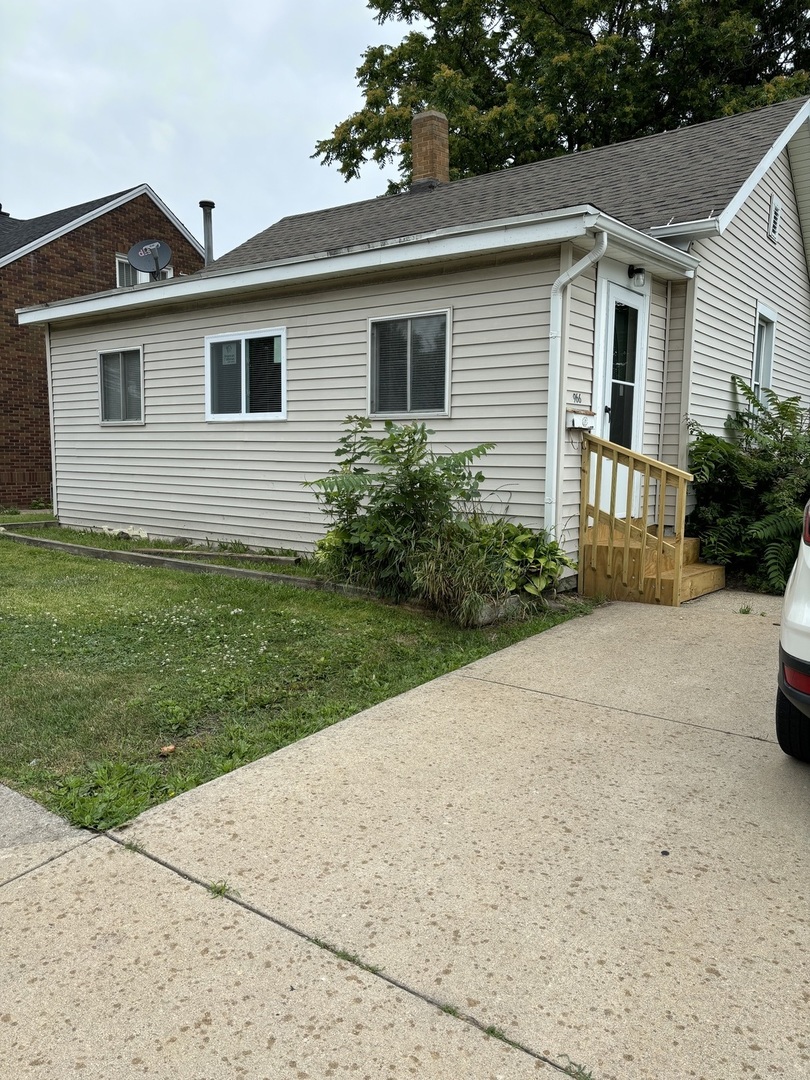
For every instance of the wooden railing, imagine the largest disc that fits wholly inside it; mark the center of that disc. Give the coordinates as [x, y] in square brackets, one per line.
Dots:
[633, 508]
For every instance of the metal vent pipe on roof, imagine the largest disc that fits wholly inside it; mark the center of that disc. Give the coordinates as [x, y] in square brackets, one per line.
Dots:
[208, 235]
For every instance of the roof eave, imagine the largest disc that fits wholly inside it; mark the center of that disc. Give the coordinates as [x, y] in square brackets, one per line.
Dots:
[105, 208]
[767, 161]
[492, 237]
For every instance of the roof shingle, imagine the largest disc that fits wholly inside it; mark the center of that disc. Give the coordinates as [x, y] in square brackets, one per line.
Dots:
[688, 174]
[16, 233]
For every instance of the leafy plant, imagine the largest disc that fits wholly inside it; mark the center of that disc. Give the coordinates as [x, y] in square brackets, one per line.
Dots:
[408, 523]
[751, 488]
[382, 513]
[108, 793]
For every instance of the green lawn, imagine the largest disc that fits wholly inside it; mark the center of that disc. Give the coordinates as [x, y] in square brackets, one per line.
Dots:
[103, 664]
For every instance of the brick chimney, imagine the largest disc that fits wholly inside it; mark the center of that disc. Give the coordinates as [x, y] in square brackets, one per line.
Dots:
[431, 150]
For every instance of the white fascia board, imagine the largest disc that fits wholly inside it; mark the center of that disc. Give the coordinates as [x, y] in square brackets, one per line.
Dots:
[657, 253]
[105, 208]
[755, 177]
[506, 234]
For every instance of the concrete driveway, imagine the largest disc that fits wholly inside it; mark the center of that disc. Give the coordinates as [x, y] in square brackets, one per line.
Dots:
[588, 845]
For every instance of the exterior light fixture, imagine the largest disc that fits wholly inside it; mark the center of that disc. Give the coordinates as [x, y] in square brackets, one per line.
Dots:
[637, 276]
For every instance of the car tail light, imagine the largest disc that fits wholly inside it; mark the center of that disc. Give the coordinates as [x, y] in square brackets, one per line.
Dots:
[806, 528]
[797, 679]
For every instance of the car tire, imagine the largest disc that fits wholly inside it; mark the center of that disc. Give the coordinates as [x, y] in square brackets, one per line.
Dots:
[792, 729]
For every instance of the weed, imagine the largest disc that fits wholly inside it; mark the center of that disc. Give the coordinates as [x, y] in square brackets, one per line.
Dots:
[221, 888]
[577, 1072]
[236, 547]
[496, 1033]
[133, 845]
[745, 609]
[451, 1010]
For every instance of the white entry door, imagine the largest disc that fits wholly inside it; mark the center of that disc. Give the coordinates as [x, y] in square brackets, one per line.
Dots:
[620, 377]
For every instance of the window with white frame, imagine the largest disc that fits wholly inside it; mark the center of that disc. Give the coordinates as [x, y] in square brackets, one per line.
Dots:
[409, 364]
[121, 386]
[762, 366]
[245, 376]
[125, 274]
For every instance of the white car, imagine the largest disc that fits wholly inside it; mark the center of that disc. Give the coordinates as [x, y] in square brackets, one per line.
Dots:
[793, 694]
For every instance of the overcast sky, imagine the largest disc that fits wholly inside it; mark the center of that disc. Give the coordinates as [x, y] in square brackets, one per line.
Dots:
[200, 99]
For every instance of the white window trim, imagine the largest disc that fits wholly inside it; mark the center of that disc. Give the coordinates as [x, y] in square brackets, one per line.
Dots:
[120, 423]
[769, 317]
[404, 415]
[243, 336]
[143, 277]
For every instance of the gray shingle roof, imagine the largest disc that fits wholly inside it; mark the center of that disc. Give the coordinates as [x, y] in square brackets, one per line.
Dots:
[17, 233]
[688, 174]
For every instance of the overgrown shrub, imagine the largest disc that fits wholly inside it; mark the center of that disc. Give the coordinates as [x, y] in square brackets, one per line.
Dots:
[751, 488]
[381, 513]
[409, 523]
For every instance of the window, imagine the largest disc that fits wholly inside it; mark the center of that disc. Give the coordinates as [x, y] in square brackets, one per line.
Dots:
[121, 387]
[128, 275]
[409, 364]
[245, 376]
[763, 350]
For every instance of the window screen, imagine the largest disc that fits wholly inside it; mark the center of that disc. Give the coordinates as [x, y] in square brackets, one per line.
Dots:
[121, 386]
[409, 364]
[246, 376]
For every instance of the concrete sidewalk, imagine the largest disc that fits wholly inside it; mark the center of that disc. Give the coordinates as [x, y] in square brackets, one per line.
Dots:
[589, 842]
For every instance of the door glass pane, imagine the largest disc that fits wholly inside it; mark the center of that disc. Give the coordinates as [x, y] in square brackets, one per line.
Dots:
[625, 336]
[621, 414]
[264, 375]
[226, 376]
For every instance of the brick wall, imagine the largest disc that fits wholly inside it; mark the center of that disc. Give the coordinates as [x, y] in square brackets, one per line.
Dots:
[81, 262]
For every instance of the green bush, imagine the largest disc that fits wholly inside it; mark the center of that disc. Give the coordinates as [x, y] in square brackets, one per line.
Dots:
[381, 514]
[751, 488]
[409, 524]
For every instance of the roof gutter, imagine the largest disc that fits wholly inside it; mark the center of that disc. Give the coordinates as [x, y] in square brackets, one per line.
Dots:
[555, 397]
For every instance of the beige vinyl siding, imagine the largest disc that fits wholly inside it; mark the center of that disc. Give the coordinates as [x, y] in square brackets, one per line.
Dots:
[737, 270]
[673, 425]
[177, 475]
[656, 349]
[578, 345]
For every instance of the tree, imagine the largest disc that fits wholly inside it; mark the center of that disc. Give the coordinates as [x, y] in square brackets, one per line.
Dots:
[521, 80]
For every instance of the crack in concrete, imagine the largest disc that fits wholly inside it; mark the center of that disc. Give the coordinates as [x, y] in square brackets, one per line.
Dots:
[347, 958]
[614, 708]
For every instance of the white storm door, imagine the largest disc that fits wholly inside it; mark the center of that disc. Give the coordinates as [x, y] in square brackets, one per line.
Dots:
[620, 403]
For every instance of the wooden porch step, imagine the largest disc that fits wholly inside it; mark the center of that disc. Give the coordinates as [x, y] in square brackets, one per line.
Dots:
[697, 579]
[607, 578]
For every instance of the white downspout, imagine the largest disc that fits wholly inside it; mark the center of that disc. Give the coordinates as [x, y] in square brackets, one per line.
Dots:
[555, 397]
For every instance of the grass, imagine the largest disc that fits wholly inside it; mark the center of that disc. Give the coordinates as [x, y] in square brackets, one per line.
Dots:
[225, 552]
[15, 517]
[103, 664]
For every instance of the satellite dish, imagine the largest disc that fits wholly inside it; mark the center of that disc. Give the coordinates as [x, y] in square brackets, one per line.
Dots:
[150, 256]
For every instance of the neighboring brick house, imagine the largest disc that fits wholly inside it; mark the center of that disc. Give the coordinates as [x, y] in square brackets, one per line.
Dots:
[67, 253]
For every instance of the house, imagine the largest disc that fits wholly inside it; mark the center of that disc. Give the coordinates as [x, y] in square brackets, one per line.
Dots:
[66, 253]
[617, 290]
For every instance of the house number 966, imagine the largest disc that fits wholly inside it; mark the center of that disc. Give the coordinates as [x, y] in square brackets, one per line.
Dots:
[577, 399]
